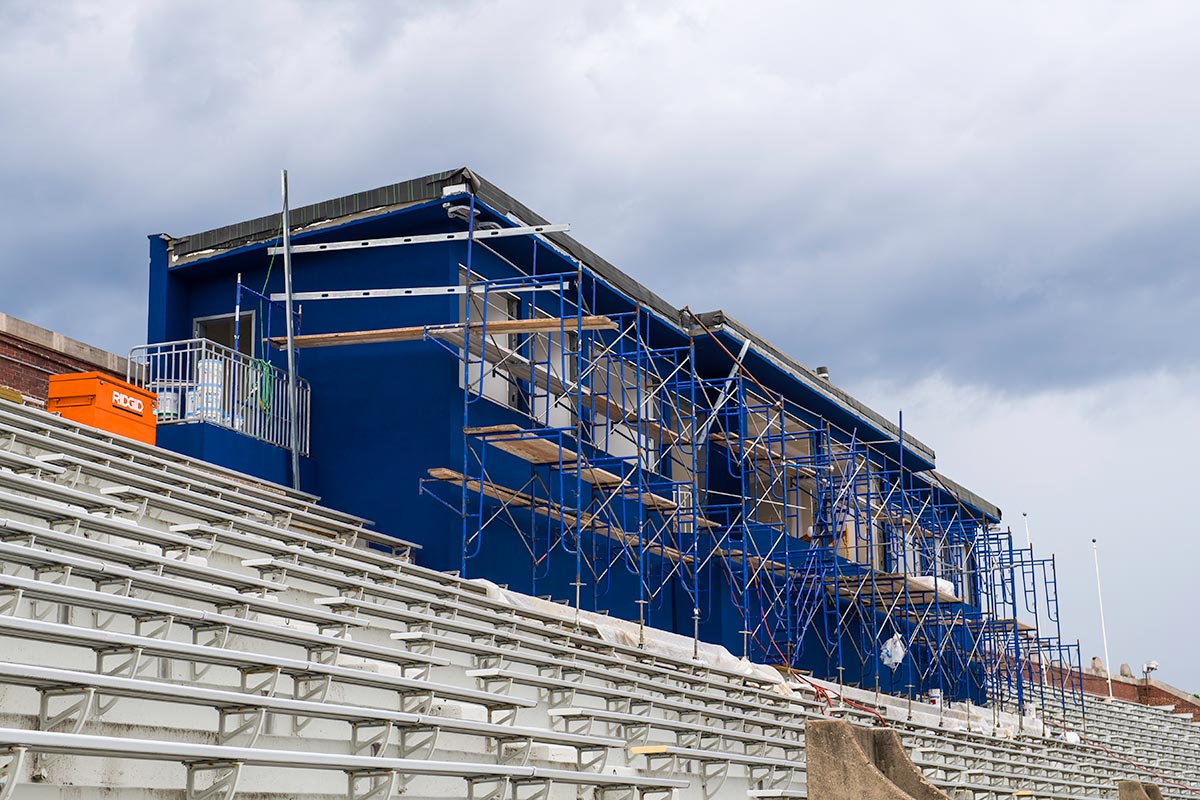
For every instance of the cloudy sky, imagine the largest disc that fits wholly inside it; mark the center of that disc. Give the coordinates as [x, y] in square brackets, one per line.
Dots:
[983, 215]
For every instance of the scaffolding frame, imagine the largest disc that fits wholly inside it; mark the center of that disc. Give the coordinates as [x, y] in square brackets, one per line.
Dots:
[828, 547]
[642, 464]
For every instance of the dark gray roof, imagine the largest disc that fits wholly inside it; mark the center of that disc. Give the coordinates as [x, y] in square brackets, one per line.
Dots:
[394, 196]
[263, 229]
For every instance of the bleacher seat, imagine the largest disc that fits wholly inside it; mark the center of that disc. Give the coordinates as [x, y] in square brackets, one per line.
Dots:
[156, 610]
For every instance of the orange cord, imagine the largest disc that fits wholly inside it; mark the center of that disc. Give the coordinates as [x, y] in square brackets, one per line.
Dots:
[1120, 757]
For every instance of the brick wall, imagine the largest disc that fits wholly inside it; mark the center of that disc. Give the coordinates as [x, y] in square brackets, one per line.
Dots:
[1139, 690]
[29, 355]
[1155, 693]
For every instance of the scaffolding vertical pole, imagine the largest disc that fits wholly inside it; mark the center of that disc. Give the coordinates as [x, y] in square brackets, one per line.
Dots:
[908, 662]
[237, 316]
[466, 410]
[293, 411]
[239, 381]
[1103, 627]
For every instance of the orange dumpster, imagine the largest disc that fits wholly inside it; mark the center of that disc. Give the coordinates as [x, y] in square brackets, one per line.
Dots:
[102, 401]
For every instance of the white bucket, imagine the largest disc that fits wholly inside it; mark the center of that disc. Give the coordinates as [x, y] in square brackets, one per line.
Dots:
[210, 372]
[204, 404]
[168, 406]
[207, 400]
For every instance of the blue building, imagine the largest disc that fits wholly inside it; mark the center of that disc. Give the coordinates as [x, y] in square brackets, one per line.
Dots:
[476, 381]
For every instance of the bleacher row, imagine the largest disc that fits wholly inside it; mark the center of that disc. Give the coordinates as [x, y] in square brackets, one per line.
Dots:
[168, 626]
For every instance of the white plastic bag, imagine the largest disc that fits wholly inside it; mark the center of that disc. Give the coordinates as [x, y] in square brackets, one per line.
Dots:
[893, 651]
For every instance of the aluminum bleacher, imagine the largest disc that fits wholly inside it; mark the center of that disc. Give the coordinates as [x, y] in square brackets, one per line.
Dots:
[169, 628]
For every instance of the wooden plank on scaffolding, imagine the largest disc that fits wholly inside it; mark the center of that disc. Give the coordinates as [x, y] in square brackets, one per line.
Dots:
[889, 586]
[758, 450]
[653, 429]
[418, 332]
[515, 364]
[508, 496]
[537, 449]
[1022, 625]
[527, 445]
[552, 511]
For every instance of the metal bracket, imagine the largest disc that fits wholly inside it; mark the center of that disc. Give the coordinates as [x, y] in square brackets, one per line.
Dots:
[219, 637]
[502, 715]
[266, 686]
[514, 751]
[770, 777]
[235, 722]
[591, 759]
[223, 784]
[420, 702]
[326, 655]
[60, 576]
[370, 737]
[369, 784]
[418, 743]
[129, 667]
[558, 696]
[314, 688]
[82, 704]
[712, 776]
[10, 601]
[157, 626]
[541, 789]
[617, 792]
[493, 788]
[10, 773]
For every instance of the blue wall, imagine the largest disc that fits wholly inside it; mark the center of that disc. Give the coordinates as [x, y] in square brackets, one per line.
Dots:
[227, 448]
[383, 414]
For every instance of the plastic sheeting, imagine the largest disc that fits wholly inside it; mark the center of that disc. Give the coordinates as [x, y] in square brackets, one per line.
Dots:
[628, 634]
[893, 651]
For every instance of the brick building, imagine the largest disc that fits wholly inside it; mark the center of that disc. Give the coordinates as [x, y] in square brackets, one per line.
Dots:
[30, 354]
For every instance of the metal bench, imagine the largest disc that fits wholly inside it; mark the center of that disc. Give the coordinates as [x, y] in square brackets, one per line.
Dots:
[17, 462]
[217, 627]
[36, 536]
[636, 729]
[155, 462]
[81, 520]
[63, 494]
[123, 655]
[562, 692]
[213, 771]
[70, 699]
[713, 766]
[562, 657]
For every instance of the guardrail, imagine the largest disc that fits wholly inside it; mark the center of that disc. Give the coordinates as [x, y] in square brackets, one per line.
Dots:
[197, 380]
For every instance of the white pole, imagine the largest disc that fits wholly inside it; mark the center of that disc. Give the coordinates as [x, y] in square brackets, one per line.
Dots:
[1103, 628]
[293, 399]
[1028, 541]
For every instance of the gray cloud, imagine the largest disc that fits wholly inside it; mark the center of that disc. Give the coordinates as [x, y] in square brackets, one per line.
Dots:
[1106, 461]
[1005, 196]
[1002, 196]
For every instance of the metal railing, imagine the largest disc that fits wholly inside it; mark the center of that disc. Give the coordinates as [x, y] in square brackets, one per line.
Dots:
[198, 380]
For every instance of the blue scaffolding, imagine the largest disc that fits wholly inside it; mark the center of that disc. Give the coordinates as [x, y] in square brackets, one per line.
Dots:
[672, 492]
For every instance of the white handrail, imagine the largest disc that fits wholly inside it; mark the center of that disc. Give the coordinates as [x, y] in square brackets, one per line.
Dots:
[198, 380]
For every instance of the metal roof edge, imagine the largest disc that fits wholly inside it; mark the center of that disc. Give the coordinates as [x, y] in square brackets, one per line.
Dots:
[809, 378]
[366, 204]
[966, 495]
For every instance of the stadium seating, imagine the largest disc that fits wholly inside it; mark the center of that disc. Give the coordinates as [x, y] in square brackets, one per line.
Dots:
[168, 628]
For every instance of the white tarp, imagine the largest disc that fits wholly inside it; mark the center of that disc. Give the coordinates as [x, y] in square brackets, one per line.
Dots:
[624, 632]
